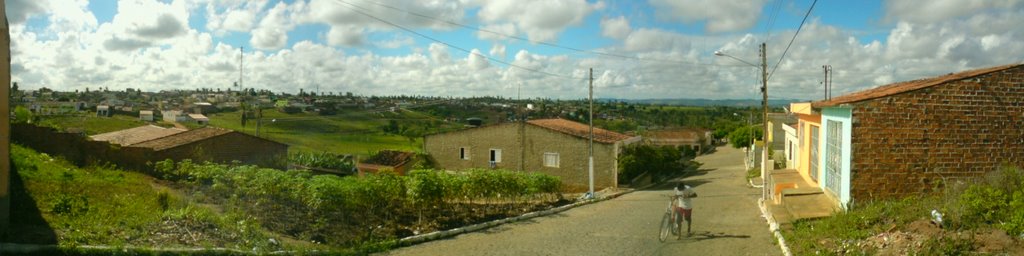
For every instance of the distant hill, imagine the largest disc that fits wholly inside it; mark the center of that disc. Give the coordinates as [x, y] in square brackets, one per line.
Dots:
[708, 102]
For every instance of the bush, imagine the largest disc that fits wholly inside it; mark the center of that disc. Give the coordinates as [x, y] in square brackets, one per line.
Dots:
[327, 208]
[660, 161]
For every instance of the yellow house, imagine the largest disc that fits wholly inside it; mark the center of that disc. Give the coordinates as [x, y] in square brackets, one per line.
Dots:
[809, 135]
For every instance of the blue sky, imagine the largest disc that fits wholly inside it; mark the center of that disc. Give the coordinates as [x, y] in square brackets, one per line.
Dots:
[665, 47]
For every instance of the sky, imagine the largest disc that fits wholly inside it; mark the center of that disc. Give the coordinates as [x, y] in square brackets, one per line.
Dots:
[643, 49]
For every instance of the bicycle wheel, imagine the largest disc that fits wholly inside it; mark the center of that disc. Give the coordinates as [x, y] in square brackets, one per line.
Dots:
[665, 229]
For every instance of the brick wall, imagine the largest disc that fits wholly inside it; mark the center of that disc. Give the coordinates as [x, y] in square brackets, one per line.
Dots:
[230, 147]
[909, 143]
[572, 150]
[78, 149]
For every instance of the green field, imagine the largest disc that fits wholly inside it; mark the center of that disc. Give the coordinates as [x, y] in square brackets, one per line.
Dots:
[348, 132]
[91, 123]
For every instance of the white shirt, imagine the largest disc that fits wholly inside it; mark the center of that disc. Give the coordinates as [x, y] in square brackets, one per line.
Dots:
[683, 197]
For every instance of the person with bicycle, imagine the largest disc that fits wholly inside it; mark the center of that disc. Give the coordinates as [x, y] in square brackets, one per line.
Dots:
[684, 206]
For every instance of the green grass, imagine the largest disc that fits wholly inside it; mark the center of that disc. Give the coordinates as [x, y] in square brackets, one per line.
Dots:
[348, 132]
[91, 123]
[101, 205]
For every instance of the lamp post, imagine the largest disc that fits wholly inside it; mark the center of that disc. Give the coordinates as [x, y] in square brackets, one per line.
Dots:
[764, 121]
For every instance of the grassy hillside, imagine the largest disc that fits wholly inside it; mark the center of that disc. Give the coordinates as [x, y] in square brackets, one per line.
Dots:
[54, 201]
[348, 132]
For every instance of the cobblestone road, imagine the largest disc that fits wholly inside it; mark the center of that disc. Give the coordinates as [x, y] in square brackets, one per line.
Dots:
[726, 222]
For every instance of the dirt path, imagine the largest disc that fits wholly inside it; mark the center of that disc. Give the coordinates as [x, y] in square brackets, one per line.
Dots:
[726, 222]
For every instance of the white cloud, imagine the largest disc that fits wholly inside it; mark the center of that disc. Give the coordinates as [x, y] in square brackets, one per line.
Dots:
[617, 28]
[498, 51]
[942, 10]
[397, 41]
[439, 53]
[476, 60]
[541, 20]
[19, 11]
[272, 32]
[720, 15]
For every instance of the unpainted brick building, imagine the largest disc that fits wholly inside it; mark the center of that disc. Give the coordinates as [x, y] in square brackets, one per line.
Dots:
[553, 146]
[913, 137]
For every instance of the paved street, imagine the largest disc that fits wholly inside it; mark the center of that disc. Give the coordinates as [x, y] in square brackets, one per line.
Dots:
[726, 222]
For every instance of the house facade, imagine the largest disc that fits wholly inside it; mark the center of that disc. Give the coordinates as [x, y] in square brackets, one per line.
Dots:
[912, 137]
[808, 136]
[553, 146]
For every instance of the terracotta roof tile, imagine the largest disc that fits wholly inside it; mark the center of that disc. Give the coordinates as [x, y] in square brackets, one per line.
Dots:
[579, 130]
[901, 87]
[135, 135]
[183, 138]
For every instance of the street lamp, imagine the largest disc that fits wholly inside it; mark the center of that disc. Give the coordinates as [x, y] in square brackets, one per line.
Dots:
[764, 121]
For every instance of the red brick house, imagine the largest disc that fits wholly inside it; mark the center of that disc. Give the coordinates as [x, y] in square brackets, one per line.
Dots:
[911, 137]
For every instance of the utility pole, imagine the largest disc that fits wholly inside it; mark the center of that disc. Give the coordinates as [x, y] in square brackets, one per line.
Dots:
[828, 81]
[764, 107]
[591, 158]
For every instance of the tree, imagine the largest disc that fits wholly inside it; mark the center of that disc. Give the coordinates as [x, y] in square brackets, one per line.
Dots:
[14, 88]
[22, 114]
[741, 136]
[659, 161]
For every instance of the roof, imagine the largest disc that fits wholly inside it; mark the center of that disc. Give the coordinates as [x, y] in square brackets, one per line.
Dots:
[907, 86]
[688, 135]
[390, 158]
[135, 135]
[183, 138]
[579, 130]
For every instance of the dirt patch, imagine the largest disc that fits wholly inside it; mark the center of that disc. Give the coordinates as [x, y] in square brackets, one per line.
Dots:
[917, 235]
[995, 240]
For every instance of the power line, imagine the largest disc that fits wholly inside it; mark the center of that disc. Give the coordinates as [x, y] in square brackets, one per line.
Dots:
[792, 39]
[771, 19]
[355, 7]
[534, 41]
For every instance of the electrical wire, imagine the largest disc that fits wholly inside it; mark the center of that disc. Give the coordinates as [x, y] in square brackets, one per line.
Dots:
[545, 43]
[355, 9]
[792, 39]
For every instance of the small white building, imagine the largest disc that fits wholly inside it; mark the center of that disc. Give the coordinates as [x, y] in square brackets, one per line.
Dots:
[173, 116]
[792, 150]
[103, 110]
[199, 119]
[146, 115]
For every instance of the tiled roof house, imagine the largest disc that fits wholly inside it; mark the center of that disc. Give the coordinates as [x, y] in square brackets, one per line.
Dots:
[554, 146]
[912, 137]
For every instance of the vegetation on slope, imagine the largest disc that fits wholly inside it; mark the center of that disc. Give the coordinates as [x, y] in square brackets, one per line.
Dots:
[982, 216]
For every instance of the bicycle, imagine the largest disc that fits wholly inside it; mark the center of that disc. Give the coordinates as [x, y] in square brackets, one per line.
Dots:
[668, 221]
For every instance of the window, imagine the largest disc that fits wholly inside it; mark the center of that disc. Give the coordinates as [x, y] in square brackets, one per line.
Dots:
[464, 153]
[833, 156]
[551, 160]
[814, 153]
[495, 155]
[790, 152]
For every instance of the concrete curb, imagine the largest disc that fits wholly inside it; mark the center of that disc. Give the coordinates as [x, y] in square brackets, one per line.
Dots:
[476, 227]
[774, 227]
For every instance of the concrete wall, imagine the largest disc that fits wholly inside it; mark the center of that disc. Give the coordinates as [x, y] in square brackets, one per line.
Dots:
[804, 156]
[5, 122]
[522, 148]
[840, 116]
[792, 151]
[908, 143]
